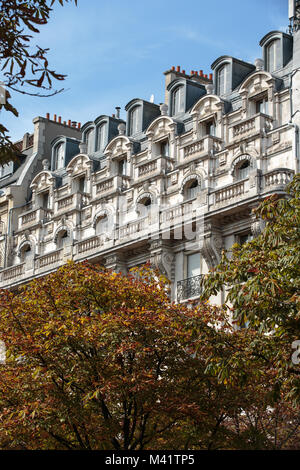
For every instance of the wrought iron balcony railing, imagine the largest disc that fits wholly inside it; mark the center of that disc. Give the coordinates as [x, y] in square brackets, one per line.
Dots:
[188, 288]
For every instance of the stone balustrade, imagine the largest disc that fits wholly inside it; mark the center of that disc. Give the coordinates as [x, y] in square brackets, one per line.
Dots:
[278, 177]
[48, 259]
[230, 192]
[88, 244]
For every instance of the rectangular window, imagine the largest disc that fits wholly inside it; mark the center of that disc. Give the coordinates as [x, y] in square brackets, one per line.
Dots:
[45, 200]
[81, 184]
[122, 167]
[210, 128]
[193, 265]
[134, 120]
[164, 149]
[262, 106]
[178, 103]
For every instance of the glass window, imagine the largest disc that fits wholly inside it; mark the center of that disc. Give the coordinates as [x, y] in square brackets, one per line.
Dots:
[45, 200]
[242, 170]
[273, 50]
[122, 167]
[89, 138]
[102, 225]
[262, 106]
[59, 156]
[134, 120]
[193, 190]
[193, 265]
[164, 148]
[101, 137]
[223, 80]
[64, 239]
[81, 184]
[210, 128]
[177, 101]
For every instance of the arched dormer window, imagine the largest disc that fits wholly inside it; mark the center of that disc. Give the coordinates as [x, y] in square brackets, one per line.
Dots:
[101, 136]
[89, 140]
[191, 189]
[223, 85]
[59, 156]
[177, 101]
[144, 205]
[273, 56]
[134, 122]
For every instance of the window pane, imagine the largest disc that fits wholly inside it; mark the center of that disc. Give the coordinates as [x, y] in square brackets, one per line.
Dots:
[90, 141]
[59, 156]
[223, 80]
[134, 120]
[193, 265]
[178, 104]
[101, 137]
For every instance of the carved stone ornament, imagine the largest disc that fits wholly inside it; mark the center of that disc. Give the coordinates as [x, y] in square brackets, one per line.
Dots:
[162, 259]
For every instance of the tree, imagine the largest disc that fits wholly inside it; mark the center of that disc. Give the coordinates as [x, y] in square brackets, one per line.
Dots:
[23, 66]
[100, 360]
[262, 282]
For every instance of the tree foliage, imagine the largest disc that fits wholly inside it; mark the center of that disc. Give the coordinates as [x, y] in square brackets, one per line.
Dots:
[99, 360]
[22, 65]
[262, 280]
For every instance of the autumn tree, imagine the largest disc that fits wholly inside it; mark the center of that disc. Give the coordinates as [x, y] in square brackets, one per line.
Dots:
[24, 68]
[262, 280]
[100, 360]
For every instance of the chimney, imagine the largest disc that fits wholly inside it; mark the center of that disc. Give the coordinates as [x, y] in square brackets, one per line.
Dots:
[48, 116]
[113, 115]
[118, 111]
[210, 76]
[173, 68]
[69, 122]
[64, 123]
[178, 68]
[54, 118]
[59, 119]
[79, 125]
[201, 73]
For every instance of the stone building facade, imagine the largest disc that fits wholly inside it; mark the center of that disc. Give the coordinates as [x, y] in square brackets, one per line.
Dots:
[174, 184]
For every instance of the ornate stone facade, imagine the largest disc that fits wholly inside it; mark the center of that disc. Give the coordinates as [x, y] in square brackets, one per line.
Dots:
[174, 186]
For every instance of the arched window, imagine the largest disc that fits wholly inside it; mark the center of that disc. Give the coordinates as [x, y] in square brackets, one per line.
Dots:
[89, 139]
[59, 156]
[101, 135]
[223, 80]
[63, 239]
[192, 189]
[242, 170]
[177, 101]
[102, 225]
[273, 59]
[134, 124]
[26, 253]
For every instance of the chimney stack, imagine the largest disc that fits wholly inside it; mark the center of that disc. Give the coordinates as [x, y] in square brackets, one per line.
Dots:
[118, 111]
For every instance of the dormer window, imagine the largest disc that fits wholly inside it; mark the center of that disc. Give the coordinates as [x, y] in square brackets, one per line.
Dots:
[134, 120]
[210, 127]
[45, 200]
[82, 184]
[262, 106]
[63, 239]
[59, 156]
[177, 101]
[122, 167]
[89, 139]
[223, 80]
[101, 134]
[164, 148]
[273, 56]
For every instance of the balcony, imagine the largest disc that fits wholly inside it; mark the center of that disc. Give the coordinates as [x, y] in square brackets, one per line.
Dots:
[278, 178]
[251, 126]
[202, 146]
[189, 288]
[34, 217]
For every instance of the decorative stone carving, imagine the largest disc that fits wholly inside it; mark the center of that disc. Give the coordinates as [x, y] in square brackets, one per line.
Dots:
[162, 258]
[211, 245]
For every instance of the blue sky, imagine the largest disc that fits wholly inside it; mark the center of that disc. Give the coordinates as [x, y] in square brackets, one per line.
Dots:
[114, 51]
